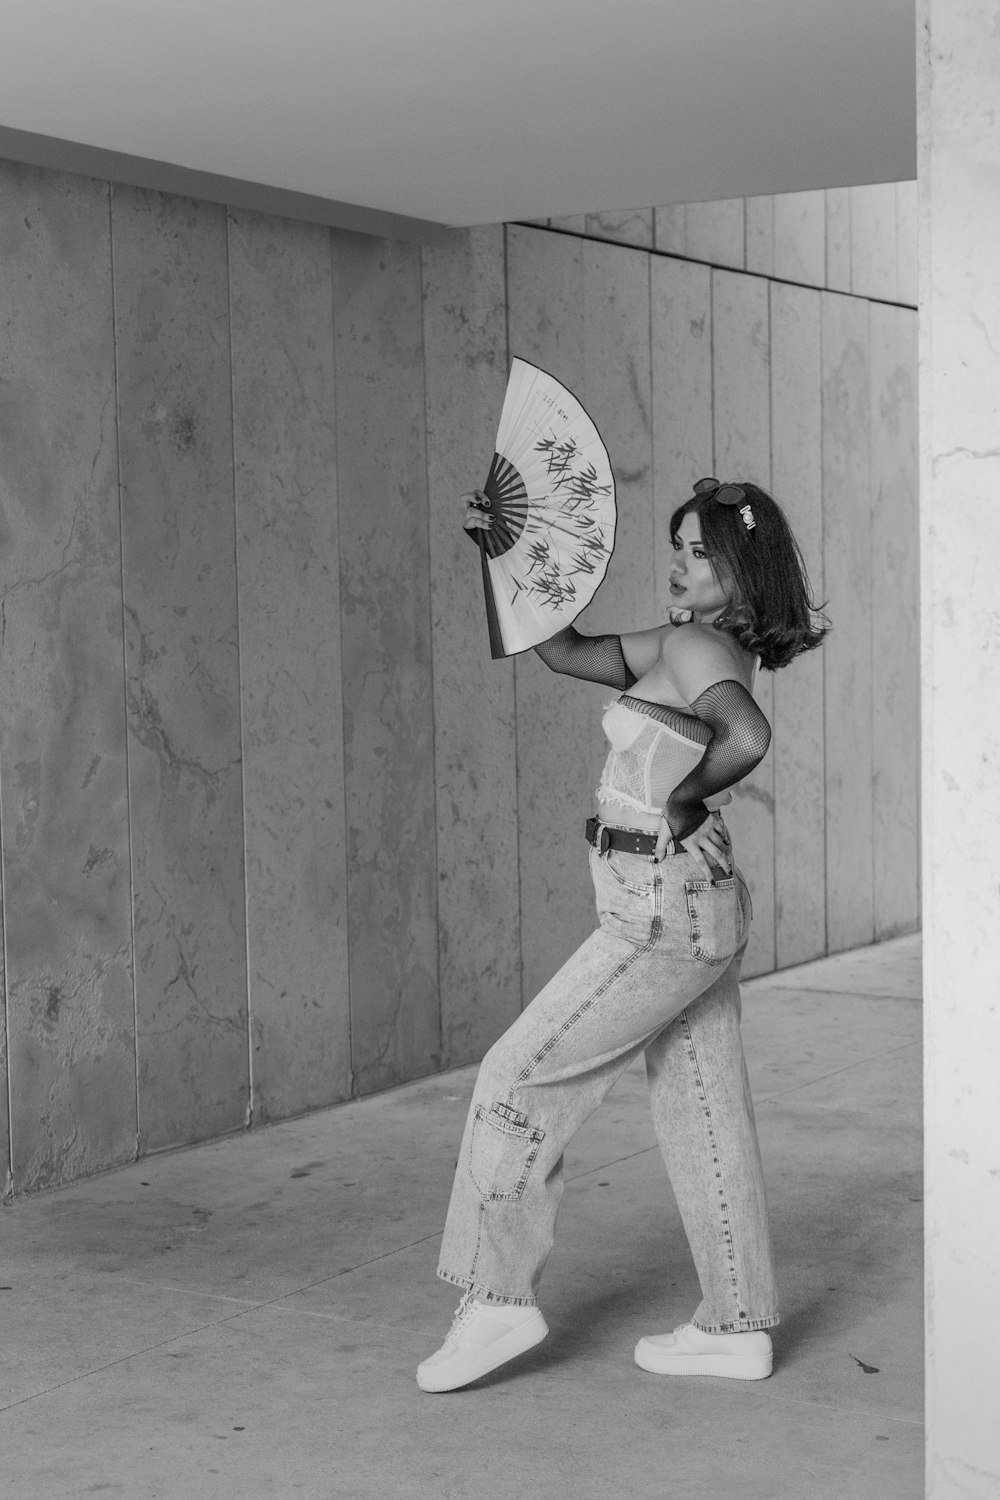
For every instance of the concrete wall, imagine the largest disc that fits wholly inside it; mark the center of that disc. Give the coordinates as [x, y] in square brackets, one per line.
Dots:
[958, 78]
[275, 829]
[861, 240]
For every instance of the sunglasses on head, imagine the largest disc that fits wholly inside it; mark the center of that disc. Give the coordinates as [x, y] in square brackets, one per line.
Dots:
[728, 495]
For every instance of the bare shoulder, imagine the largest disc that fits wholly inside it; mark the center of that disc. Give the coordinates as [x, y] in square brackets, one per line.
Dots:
[641, 648]
[694, 656]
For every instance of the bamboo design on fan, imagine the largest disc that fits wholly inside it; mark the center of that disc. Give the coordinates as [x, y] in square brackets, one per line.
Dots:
[574, 496]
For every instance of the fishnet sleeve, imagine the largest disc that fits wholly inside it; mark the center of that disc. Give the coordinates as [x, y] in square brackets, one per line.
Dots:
[595, 658]
[740, 737]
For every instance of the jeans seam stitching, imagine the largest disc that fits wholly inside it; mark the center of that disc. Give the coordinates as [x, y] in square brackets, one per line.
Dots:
[471, 1285]
[479, 1240]
[633, 890]
[724, 1206]
[602, 989]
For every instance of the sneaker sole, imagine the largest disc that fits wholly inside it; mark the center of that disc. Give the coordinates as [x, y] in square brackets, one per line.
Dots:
[728, 1366]
[518, 1341]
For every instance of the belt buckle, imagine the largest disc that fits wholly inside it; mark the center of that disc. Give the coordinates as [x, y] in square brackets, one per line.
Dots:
[599, 835]
[600, 840]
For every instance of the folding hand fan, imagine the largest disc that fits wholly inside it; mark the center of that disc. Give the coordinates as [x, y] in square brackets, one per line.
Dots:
[551, 494]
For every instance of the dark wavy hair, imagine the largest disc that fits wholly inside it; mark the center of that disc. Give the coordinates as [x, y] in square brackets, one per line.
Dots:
[771, 611]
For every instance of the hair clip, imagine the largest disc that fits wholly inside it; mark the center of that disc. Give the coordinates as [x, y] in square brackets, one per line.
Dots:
[728, 495]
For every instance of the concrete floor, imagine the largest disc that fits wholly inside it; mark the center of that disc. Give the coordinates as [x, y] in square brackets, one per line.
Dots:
[243, 1319]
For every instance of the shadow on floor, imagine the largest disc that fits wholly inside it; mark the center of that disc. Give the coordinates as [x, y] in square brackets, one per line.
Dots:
[243, 1319]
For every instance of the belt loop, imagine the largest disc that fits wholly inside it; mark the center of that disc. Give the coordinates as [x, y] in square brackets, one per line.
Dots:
[604, 843]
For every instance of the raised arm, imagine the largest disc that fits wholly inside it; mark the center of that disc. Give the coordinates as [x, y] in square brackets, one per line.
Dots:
[595, 658]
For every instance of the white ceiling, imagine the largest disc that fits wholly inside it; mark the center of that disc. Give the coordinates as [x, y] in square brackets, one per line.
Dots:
[473, 111]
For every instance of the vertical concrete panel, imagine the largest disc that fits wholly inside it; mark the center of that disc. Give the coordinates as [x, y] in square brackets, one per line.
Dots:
[715, 232]
[759, 215]
[895, 618]
[959, 124]
[633, 227]
[741, 379]
[800, 237]
[475, 754]
[906, 242]
[873, 241]
[289, 593]
[741, 363]
[581, 311]
[182, 659]
[797, 476]
[615, 388]
[6, 1176]
[847, 564]
[838, 239]
[752, 820]
[386, 648]
[681, 360]
[62, 732]
[670, 229]
[556, 715]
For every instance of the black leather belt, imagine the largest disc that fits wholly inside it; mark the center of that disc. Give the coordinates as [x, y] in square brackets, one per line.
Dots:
[629, 840]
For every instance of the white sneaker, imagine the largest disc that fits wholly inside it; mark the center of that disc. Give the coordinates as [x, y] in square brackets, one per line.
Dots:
[482, 1336]
[691, 1351]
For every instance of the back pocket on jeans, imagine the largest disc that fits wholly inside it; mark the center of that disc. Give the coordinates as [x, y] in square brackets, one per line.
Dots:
[502, 1150]
[714, 919]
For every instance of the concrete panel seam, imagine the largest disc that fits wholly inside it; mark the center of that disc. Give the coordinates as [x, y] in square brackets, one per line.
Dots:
[351, 1071]
[127, 746]
[239, 674]
[822, 555]
[711, 359]
[514, 693]
[430, 652]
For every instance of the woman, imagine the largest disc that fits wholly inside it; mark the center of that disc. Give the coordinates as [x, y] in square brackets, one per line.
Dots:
[660, 975]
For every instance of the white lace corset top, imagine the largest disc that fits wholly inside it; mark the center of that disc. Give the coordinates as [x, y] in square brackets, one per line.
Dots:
[653, 748]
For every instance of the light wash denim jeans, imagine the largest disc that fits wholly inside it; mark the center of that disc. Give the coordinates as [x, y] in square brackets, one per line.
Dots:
[660, 975]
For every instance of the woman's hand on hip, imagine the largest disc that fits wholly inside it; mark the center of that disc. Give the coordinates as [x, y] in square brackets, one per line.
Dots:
[708, 842]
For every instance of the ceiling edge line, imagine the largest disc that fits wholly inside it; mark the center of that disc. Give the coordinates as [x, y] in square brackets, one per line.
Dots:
[60, 155]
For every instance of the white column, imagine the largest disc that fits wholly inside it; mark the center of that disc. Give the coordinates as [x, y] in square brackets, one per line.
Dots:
[959, 124]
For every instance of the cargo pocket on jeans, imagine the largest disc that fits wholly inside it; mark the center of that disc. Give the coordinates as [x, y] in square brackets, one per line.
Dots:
[502, 1150]
[714, 919]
